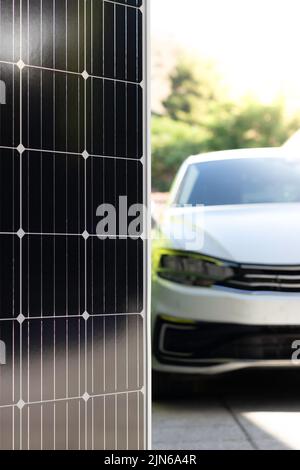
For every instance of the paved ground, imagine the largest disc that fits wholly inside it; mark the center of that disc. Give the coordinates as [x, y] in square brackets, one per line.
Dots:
[248, 410]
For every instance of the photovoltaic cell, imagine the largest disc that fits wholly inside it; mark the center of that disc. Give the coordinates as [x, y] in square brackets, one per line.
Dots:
[133, 3]
[10, 190]
[116, 178]
[114, 109]
[120, 338]
[46, 207]
[120, 23]
[72, 302]
[53, 272]
[9, 277]
[50, 372]
[114, 276]
[53, 34]
[10, 373]
[53, 105]
[10, 111]
[10, 30]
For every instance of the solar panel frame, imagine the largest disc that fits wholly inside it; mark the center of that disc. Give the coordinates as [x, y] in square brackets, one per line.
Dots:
[40, 393]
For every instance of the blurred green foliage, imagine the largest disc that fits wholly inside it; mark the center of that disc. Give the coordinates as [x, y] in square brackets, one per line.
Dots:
[172, 142]
[199, 117]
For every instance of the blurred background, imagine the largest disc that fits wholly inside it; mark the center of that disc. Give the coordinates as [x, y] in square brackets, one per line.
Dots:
[225, 75]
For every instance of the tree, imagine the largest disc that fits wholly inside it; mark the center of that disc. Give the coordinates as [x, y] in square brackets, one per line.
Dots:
[194, 89]
[200, 118]
[172, 143]
[251, 124]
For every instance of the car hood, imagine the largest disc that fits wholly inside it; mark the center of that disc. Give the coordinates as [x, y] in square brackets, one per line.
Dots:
[262, 233]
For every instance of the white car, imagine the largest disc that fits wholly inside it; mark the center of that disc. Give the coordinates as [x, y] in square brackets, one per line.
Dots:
[229, 297]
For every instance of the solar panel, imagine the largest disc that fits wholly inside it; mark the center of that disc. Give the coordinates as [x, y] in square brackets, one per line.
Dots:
[73, 302]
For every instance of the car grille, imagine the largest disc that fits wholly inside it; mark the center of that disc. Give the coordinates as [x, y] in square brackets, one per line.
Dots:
[265, 278]
[184, 344]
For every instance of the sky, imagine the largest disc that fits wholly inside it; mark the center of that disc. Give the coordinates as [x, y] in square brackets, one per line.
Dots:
[254, 43]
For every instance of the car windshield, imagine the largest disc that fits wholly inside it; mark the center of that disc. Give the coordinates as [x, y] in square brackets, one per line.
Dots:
[241, 181]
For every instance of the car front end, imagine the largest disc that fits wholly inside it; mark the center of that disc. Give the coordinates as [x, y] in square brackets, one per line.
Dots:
[251, 318]
[234, 302]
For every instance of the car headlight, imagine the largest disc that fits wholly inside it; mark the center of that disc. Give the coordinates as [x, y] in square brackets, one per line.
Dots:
[192, 268]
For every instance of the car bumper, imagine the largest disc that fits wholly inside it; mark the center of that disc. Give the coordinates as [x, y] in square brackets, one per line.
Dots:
[250, 329]
[223, 368]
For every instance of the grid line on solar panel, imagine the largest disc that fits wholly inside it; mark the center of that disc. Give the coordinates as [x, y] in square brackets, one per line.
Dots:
[84, 154]
[116, 107]
[42, 140]
[10, 363]
[54, 265]
[83, 74]
[114, 422]
[129, 3]
[64, 107]
[10, 106]
[57, 359]
[21, 318]
[67, 23]
[62, 134]
[85, 398]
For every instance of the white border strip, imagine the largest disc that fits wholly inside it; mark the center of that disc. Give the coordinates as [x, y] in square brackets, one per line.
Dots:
[147, 197]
